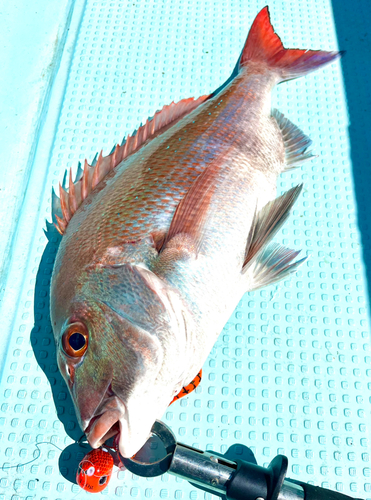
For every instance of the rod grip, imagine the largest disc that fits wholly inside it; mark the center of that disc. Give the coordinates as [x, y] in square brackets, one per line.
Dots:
[317, 493]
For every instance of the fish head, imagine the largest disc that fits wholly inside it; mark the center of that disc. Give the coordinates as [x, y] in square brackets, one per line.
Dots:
[119, 340]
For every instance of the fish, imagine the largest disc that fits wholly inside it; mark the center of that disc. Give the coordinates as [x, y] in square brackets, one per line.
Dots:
[162, 237]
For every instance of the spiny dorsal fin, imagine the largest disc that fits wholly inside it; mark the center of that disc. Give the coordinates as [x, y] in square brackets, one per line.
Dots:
[64, 207]
[273, 264]
[295, 141]
[267, 222]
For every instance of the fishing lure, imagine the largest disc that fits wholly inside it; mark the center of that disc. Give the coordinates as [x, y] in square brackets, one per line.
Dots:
[188, 388]
[95, 470]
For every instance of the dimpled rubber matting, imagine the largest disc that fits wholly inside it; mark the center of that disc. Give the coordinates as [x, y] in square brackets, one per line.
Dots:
[290, 372]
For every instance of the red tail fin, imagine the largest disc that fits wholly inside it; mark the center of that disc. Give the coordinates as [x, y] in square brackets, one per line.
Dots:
[264, 45]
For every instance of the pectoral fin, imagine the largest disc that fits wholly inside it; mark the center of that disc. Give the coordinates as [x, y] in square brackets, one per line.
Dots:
[186, 230]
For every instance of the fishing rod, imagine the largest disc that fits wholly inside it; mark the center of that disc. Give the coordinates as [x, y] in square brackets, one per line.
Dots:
[231, 479]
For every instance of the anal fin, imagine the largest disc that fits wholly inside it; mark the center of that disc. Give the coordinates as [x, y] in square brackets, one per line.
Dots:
[295, 141]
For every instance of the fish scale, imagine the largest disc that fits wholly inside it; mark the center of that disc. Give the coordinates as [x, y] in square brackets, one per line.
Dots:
[163, 237]
[166, 174]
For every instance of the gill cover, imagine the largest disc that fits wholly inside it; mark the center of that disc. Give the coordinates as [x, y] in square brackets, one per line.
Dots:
[134, 293]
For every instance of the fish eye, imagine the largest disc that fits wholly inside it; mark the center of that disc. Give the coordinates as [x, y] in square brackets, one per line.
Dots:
[75, 340]
[103, 479]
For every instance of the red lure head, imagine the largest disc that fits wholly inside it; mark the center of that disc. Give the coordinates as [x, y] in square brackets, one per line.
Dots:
[95, 471]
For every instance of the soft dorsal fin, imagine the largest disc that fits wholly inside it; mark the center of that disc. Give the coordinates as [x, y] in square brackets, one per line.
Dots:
[295, 141]
[87, 179]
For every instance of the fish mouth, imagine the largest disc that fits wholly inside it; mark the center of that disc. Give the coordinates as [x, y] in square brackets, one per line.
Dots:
[112, 419]
[106, 422]
[102, 427]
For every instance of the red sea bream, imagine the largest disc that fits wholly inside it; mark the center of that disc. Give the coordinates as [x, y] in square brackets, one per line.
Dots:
[163, 237]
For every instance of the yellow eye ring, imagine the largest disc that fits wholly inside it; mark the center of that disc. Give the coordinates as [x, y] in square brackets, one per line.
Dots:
[75, 340]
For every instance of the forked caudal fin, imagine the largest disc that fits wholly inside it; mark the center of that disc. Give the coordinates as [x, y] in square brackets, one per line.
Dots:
[264, 46]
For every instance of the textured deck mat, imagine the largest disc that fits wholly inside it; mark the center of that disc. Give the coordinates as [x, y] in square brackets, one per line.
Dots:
[291, 371]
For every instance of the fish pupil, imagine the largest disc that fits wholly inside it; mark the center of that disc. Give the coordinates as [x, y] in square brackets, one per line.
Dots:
[103, 479]
[77, 341]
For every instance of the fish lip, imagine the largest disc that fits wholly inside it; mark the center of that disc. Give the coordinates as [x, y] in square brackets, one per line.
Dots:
[102, 425]
[91, 422]
[86, 419]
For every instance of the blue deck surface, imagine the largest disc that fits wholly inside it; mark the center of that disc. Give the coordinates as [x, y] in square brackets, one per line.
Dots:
[291, 371]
